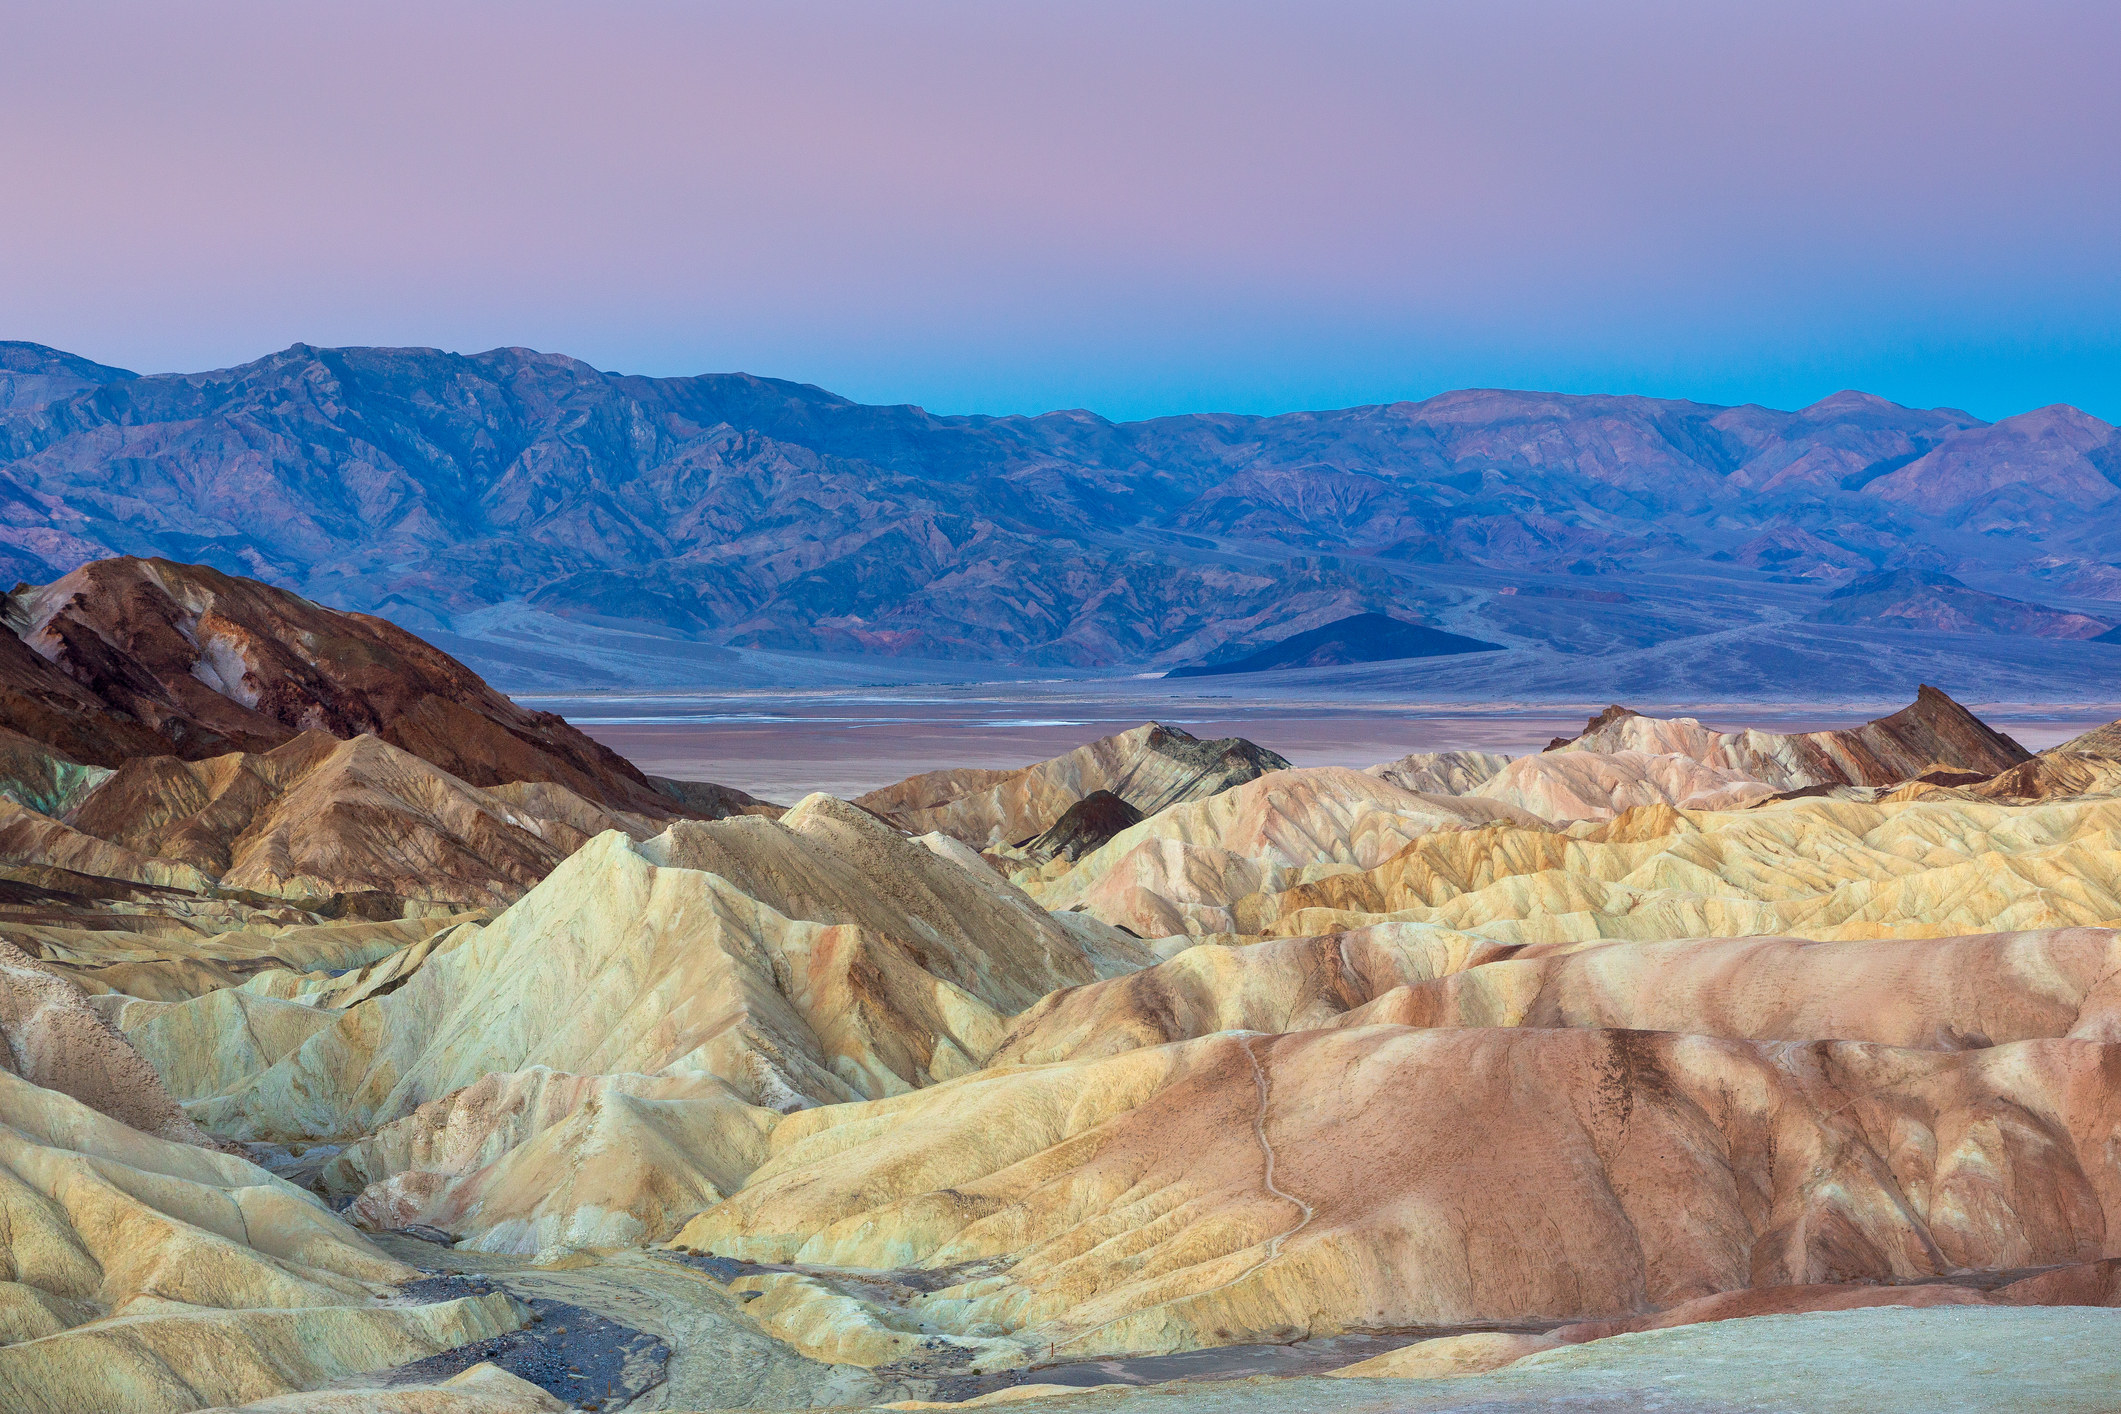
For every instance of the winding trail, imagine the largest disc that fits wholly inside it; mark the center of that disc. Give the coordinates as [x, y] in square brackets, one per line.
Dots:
[1274, 1243]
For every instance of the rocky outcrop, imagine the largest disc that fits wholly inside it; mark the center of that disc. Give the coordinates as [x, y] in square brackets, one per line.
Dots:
[212, 664]
[1150, 768]
[1086, 825]
[1440, 772]
[1931, 731]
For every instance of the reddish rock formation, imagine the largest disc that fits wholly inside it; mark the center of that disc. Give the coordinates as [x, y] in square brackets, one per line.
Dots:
[140, 657]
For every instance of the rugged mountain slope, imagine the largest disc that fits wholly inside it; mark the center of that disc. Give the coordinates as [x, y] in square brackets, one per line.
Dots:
[1935, 600]
[748, 511]
[212, 663]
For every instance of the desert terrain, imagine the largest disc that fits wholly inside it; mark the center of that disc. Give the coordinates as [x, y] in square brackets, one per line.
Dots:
[375, 1041]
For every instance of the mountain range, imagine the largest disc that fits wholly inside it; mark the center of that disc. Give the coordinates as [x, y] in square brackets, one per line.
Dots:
[544, 519]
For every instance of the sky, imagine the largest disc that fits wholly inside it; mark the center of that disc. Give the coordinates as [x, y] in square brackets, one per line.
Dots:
[1138, 208]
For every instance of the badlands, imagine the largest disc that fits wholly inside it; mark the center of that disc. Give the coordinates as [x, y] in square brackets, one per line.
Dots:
[368, 1042]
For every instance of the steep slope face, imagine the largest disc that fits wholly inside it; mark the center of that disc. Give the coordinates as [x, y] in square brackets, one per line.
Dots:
[1440, 772]
[753, 966]
[1266, 1188]
[150, 1275]
[1150, 768]
[213, 663]
[1359, 638]
[1186, 869]
[40, 702]
[1597, 785]
[1931, 731]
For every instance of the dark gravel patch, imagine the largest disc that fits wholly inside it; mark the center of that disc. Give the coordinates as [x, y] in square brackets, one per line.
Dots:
[568, 1351]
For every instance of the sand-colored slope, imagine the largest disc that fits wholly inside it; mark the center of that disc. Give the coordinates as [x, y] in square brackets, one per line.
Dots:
[284, 954]
[1928, 993]
[1597, 785]
[1261, 1188]
[1811, 868]
[1180, 871]
[51, 1036]
[141, 1274]
[1151, 767]
[535, 1159]
[766, 966]
[1283, 984]
[30, 838]
[1440, 772]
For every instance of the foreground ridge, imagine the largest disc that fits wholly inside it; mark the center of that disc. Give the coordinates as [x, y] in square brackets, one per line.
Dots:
[337, 1076]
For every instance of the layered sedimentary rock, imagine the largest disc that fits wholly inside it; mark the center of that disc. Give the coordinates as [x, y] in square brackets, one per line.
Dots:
[1932, 731]
[1813, 868]
[1151, 768]
[211, 663]
[151, 1275]
[1597, 785]
[1180, 871]
[1440, 772]
[2085, 765]
[1266, 1188]
[1380, 1059]
[751, 967]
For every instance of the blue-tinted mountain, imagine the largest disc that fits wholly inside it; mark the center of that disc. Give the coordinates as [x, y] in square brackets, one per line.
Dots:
[454, 493]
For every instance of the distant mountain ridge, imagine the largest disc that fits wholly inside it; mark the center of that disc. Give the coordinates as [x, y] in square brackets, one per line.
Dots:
[434, 488]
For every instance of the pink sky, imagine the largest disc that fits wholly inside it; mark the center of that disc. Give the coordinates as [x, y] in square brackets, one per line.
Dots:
[1136, 208]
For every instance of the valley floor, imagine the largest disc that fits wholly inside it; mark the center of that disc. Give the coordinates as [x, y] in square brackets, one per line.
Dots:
[782, 746]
